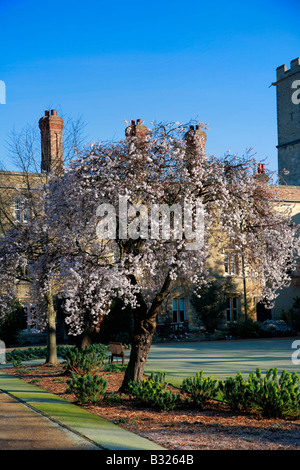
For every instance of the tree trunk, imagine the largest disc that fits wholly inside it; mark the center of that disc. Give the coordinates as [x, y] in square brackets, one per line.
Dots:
[144, 327]
[143, 330]
[51, 332]
[91, 332]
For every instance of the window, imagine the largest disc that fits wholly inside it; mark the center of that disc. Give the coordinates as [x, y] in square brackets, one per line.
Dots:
[25, 214]
[18, 210]
[178, 310]
[21, 211]
[232, 308]
[230, 264]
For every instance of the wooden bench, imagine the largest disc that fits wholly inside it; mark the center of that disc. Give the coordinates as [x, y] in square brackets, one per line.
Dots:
[117, 350]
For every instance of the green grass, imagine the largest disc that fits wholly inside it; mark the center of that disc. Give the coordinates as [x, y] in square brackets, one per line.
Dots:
[220, 359]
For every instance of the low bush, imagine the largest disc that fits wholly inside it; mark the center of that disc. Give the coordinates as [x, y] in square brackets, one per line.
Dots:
[34, 353]
[25, 354]
[244, 329]
[83, 361]
[17, 362]
[238, 393]
[115, 368]
[200, 389]
[276, 328]
[153, 392]
[277, 396]
[254, 329]
[87, 388]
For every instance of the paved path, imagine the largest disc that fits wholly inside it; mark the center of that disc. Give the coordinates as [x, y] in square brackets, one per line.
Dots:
[31, 418]
[21, 428]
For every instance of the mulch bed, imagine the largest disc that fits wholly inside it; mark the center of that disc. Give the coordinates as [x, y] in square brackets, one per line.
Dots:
[214, 428]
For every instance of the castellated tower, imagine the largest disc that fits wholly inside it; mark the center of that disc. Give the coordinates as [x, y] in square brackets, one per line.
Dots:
[51, 127]
[288, 122]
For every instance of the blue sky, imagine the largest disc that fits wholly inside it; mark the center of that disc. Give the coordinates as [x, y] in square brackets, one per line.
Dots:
[164, 61]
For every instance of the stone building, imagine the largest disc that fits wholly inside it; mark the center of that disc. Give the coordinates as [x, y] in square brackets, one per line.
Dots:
[288, 128]
[240, 295]
[288, 122]
[226, 265]
[18, 189]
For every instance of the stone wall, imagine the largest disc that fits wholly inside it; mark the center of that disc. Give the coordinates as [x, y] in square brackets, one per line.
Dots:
[288, 123]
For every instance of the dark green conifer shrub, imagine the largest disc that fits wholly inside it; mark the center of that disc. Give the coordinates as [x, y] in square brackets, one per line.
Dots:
[153, 392]
[87, 388]
[277, 396]
[238, 393]
[87, 360]
[200, 389]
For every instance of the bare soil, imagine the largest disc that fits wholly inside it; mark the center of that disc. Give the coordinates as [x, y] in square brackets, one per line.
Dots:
[214, 428]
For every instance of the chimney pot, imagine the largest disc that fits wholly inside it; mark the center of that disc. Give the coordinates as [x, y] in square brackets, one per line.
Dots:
[53, 112]
[47, 113]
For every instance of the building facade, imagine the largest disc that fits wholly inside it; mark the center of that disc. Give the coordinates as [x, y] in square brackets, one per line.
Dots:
[225, 267]
[288, 128]
[19, 188]
[288, 122]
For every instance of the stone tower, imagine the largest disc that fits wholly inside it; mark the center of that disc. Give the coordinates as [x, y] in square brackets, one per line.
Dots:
[288, 122]
[51, 127]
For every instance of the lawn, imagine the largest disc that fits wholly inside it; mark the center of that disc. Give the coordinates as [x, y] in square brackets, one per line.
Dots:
[221, 359]
[215, 427]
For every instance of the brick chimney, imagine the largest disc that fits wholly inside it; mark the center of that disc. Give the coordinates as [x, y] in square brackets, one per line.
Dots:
[261, 173]
[195, 139]
[136, 129]
[51, 127]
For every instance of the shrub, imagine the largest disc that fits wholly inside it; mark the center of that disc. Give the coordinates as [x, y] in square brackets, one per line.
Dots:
[276, 328]
[251, 329]
[238, 393]
[158, 377]
[115, 368]
[25, 354]
[63, 351]
[83, 361]
[153, 392]
[87, 388]
[277, 397]
[200, 389]
[113, 398]
[274, 396]
[245, 329]
[39, 352]
[17, 362]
